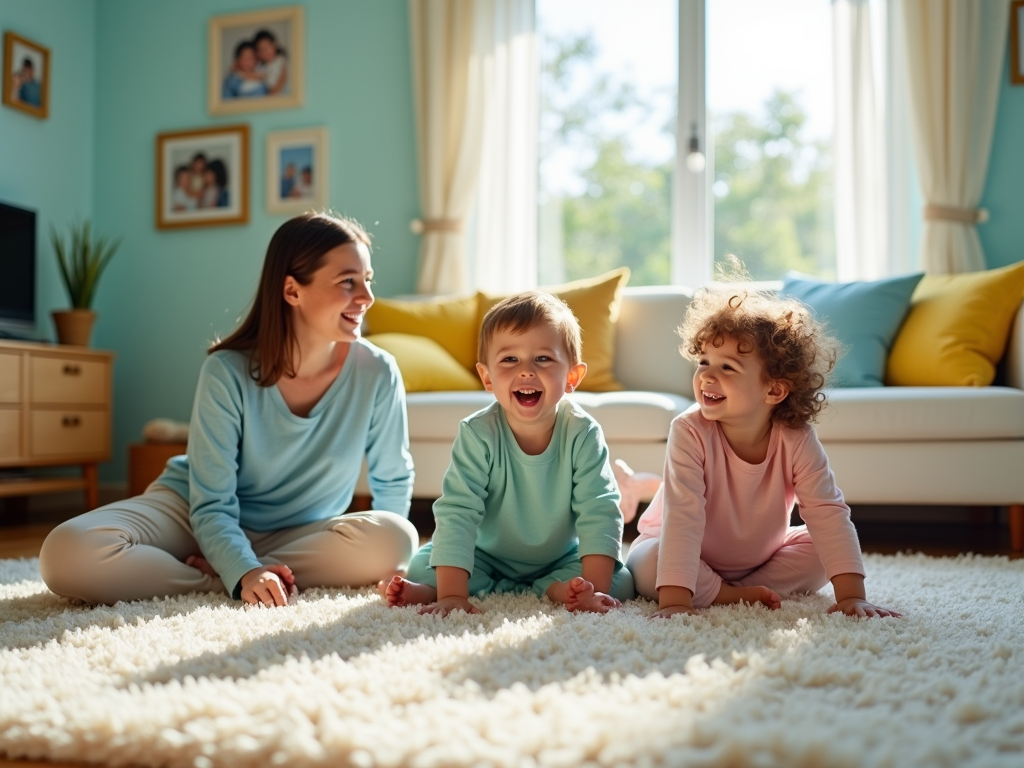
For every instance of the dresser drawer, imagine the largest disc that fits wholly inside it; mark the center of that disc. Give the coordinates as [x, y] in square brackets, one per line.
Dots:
[10, 433]
[10, 378]
[67, 380]
[69, 433]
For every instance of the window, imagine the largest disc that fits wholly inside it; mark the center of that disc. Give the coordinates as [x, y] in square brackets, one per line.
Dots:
[616, 81]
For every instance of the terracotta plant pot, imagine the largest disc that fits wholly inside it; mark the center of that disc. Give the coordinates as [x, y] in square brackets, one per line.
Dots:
[74, 326]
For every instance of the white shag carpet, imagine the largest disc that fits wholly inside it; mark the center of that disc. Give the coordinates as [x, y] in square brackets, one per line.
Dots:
[340, 679]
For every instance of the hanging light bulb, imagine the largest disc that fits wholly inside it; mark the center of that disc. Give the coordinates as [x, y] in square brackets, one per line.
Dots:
[695, 158]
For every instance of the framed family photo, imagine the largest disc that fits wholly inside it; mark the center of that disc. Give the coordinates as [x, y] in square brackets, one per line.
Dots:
[297, 170]
[202, 177]
[256, 61]
[26, 84]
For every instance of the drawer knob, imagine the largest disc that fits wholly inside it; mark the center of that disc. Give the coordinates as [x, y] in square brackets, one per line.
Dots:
[71, 421]
[71, 369]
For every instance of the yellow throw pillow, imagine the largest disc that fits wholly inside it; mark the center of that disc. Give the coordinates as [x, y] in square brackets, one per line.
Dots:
[595, 302]
[450, 321]
[957, 328]
[425, 365]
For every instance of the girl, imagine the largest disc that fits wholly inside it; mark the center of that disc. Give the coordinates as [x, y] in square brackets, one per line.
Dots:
[285, 410]
[272, 62]
[717, 531]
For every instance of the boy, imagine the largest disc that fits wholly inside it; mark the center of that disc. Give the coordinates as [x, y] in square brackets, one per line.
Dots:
[529, 500]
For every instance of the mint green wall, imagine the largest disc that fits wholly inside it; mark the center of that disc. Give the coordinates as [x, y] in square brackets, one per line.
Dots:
[1002, 236]
[47, 165]
[125, 70]
[167, 294]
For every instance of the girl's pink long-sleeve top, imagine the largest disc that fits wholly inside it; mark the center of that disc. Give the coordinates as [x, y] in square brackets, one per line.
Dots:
[715, 507]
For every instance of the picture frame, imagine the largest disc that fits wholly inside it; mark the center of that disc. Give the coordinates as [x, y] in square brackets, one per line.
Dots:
[1017, 42]
[202, 177]
[256, 61]
[297, 170]
[26, 73]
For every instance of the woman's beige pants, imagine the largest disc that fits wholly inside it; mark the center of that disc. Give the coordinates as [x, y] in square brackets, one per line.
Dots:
[136, 549]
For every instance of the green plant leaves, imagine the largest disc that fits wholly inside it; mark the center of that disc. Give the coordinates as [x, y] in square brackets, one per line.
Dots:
[82, 261]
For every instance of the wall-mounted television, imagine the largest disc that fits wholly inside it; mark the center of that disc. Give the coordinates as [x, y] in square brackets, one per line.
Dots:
[17, 272]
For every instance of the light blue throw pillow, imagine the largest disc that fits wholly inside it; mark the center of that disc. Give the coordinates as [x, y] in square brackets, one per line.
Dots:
[864, 316]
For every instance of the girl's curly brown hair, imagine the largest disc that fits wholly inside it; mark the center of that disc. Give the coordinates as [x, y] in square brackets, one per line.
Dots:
[793, 346]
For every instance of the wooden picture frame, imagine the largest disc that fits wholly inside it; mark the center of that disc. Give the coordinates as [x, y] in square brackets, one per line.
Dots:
[26, 83]
[256, 61]
[297, 170]
[202, 177]
[1017, 42]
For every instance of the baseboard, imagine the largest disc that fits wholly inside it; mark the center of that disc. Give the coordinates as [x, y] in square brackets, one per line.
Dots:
[926, 514]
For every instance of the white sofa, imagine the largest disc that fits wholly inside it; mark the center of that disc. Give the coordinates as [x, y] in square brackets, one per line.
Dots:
[887, 445]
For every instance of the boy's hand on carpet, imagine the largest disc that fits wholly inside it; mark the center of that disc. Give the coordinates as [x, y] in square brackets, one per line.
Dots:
[858, 606]
[580, 595]
[672, 610]
[594, 602]
[269, 585]
[446, 605]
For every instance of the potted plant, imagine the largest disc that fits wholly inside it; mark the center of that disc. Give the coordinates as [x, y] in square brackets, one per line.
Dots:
[82, 260]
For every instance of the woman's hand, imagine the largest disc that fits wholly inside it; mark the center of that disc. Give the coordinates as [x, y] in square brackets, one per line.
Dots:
[268, 585]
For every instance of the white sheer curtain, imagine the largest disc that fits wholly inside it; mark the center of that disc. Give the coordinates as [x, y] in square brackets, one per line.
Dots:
[505, 247]
[449, 90]
[954, 57]
[861, 205]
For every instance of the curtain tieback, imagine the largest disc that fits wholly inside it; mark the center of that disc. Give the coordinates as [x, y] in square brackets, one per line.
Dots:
[423, 226]
[934, 212]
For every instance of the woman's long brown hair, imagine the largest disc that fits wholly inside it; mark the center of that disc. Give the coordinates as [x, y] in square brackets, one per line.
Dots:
[297, 249]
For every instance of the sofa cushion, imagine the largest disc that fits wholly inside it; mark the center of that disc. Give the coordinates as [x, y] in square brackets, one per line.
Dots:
[595, 302]
[863, 315]
[956, 331]
[623, 416]
[647, 345]
[894, 414]
[425, 365]
[451, 321]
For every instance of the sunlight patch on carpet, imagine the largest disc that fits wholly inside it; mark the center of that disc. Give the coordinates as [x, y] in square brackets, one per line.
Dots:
[339, 678]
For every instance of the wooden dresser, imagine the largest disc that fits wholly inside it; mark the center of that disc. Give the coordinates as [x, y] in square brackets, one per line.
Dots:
[55, 410]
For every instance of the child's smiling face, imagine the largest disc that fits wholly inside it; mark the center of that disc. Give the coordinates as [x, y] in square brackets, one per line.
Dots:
[246, 60]
[528, 373]
[730, 384]
[266, 50]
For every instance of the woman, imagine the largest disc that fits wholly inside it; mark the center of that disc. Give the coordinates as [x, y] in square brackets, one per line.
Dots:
[285, 410]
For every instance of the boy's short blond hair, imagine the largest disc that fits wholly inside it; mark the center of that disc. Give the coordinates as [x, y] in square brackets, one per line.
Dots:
[527, 310]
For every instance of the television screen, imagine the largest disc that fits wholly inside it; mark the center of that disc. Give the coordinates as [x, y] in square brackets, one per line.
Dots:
[17, 268]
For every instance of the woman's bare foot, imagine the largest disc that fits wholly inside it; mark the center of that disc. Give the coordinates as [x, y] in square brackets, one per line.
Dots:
[728, 594]
[200, 563]
[401, 592]
[633, 486]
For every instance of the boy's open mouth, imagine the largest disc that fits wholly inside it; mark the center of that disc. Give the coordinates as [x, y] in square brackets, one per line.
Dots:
[527, 397]
[710, 397]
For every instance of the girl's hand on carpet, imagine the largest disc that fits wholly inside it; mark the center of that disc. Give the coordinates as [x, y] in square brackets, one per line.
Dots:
[269, 585]
[858, 606]
[672, 610]
[446, 605]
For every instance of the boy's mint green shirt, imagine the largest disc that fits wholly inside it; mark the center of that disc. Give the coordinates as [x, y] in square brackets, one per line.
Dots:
[253, 464]
[527, 511]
